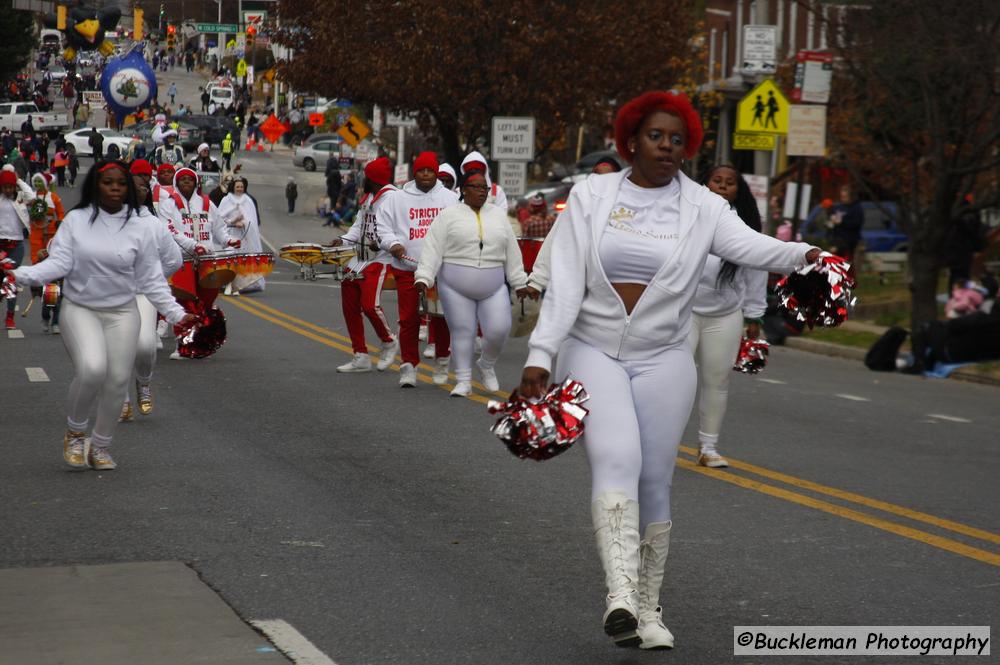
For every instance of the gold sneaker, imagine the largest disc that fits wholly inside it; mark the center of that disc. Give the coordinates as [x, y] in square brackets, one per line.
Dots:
[75, 449]
[144, 396]
[712, 460]
[127, 413]
[100, 459]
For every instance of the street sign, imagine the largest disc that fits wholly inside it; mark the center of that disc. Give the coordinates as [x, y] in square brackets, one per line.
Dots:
[272, 129]
[216, 27]
[749, 141]
[354, 130]
[400, 175]
[760, 49]
[763, 110]
[807, 131]
[513, 139]
[255, 18]
[241, 68]
[513, 177]
[316, 119]
[758, 187]
[400, 120]
[813, 75]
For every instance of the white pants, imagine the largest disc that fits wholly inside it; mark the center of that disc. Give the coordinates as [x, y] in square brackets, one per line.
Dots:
[715, 341]
[101, 343]
[145, 355]
[638, 410]
[470, 295]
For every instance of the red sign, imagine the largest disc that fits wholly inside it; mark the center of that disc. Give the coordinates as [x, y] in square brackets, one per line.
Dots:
[316, 119]
[272, 129]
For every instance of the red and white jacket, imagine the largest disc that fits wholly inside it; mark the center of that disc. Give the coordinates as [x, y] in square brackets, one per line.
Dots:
[364, 233]
[194, 222]
[160, 194]
[407, 216]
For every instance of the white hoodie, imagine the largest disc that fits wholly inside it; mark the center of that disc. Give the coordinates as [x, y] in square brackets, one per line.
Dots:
[581, 301]
[496, 196]
[748, 291]
[407, 215]
[363, 232]
[194, 222]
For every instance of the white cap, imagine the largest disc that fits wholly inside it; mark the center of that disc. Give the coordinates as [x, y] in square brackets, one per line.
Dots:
[169, 132]
[203, 146]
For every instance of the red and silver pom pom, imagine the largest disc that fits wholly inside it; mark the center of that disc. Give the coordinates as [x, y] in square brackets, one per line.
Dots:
[8, 289]
[542, 429]
[820, 294]
[752, 357]
[205, 337]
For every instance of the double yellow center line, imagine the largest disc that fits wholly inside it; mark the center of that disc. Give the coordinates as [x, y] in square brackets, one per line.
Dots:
[739, 473]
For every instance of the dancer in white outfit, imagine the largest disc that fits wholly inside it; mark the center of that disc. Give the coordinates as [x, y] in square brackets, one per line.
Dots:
[470, 249]
[626, 257]
[239, 209]
[727, 298]
[106, 254]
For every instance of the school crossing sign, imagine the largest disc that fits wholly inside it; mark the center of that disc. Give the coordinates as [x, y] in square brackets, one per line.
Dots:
[764, 110]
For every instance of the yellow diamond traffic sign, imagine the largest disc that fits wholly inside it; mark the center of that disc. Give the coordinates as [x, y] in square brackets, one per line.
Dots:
[763, 110]
[354, 130]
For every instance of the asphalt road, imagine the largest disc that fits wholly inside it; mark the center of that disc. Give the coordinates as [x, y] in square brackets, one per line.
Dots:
[390, 526]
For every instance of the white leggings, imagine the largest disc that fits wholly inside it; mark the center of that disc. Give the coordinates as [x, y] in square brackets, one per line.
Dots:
[145, 354]
[469, 295]
[715, 341]
[101, 343]
[638, 410]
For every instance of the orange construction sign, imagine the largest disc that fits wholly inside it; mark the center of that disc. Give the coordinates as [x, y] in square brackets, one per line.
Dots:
[316, 119]
[272, 128]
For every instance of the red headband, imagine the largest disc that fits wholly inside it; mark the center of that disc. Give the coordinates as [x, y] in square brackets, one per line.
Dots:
[111, 165]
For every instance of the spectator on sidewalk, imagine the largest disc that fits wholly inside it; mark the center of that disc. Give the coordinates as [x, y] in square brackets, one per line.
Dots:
[291, 193]
[172, 90]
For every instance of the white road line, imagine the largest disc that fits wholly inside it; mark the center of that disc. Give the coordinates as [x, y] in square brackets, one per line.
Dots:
[36, 374]
[15, 334]
[774, 381]
[291, 642]
[853, 398]
[954, 419]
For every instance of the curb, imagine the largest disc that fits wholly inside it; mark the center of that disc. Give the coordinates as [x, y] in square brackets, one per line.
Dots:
[855, 353]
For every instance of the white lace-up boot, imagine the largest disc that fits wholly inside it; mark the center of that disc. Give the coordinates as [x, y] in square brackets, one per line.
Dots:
[616, 528]
[652, 561]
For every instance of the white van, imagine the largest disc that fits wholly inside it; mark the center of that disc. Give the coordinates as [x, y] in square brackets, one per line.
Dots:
[223, 97]
[50, 40]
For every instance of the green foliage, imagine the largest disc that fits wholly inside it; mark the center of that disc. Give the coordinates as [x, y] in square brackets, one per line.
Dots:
[17, 38]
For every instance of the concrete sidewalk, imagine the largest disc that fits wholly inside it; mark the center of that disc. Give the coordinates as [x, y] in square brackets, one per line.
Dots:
[155, 613]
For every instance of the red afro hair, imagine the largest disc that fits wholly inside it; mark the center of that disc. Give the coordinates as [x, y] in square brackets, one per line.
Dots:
[631, 115]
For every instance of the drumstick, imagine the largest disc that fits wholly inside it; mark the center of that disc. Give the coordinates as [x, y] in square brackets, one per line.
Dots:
[31, 301]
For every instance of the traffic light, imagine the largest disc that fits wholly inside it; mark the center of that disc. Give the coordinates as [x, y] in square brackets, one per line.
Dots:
[137, 24]
[251, 34]
[171, 36]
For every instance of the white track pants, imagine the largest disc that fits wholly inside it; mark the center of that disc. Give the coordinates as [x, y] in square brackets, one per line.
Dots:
[101, 344]
[715, 341]
[470, 295]
[638, 411]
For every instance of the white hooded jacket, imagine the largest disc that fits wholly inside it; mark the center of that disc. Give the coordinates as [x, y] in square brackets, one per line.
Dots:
[407, 215]
[496, 196]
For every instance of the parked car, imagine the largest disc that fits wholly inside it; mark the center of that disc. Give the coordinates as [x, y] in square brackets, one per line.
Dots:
[587, 162]
[315, 154]
[325, 136]
[880, 232]
[554, 193]
[14, 114]
[80, 138]
[213, 127]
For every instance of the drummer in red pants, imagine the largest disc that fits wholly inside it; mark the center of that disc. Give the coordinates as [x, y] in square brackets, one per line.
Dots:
[361, 290]
[198, 229]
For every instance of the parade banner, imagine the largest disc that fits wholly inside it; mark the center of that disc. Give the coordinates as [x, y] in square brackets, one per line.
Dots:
[128, 83]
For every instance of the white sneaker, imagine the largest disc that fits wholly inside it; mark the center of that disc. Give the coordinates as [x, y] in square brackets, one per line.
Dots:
[387, 354]
[462, 389]
[430, 350]
[489, 376]
[159, 343]
[479, 344]
[441, 371]
[161, 328]
[55, 328]
[422, 334]
[407, 376]
[361, 362]
[176, 355]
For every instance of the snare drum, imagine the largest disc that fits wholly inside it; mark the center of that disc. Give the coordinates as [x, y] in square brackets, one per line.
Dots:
[215, 271]
[529, 251]
[430, 304]
[50, 295]
[252, 267]
[303, 253]
[338, 256]
[184, 282]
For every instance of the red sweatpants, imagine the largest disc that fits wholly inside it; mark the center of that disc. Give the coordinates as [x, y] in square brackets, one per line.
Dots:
[409, 316]
[364, 296]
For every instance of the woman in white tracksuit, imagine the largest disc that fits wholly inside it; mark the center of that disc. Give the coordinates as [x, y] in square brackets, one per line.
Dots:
[626, 257]
[727, 298]
[471, 251]
[171, 261]
[105, 255]
[495, 195]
